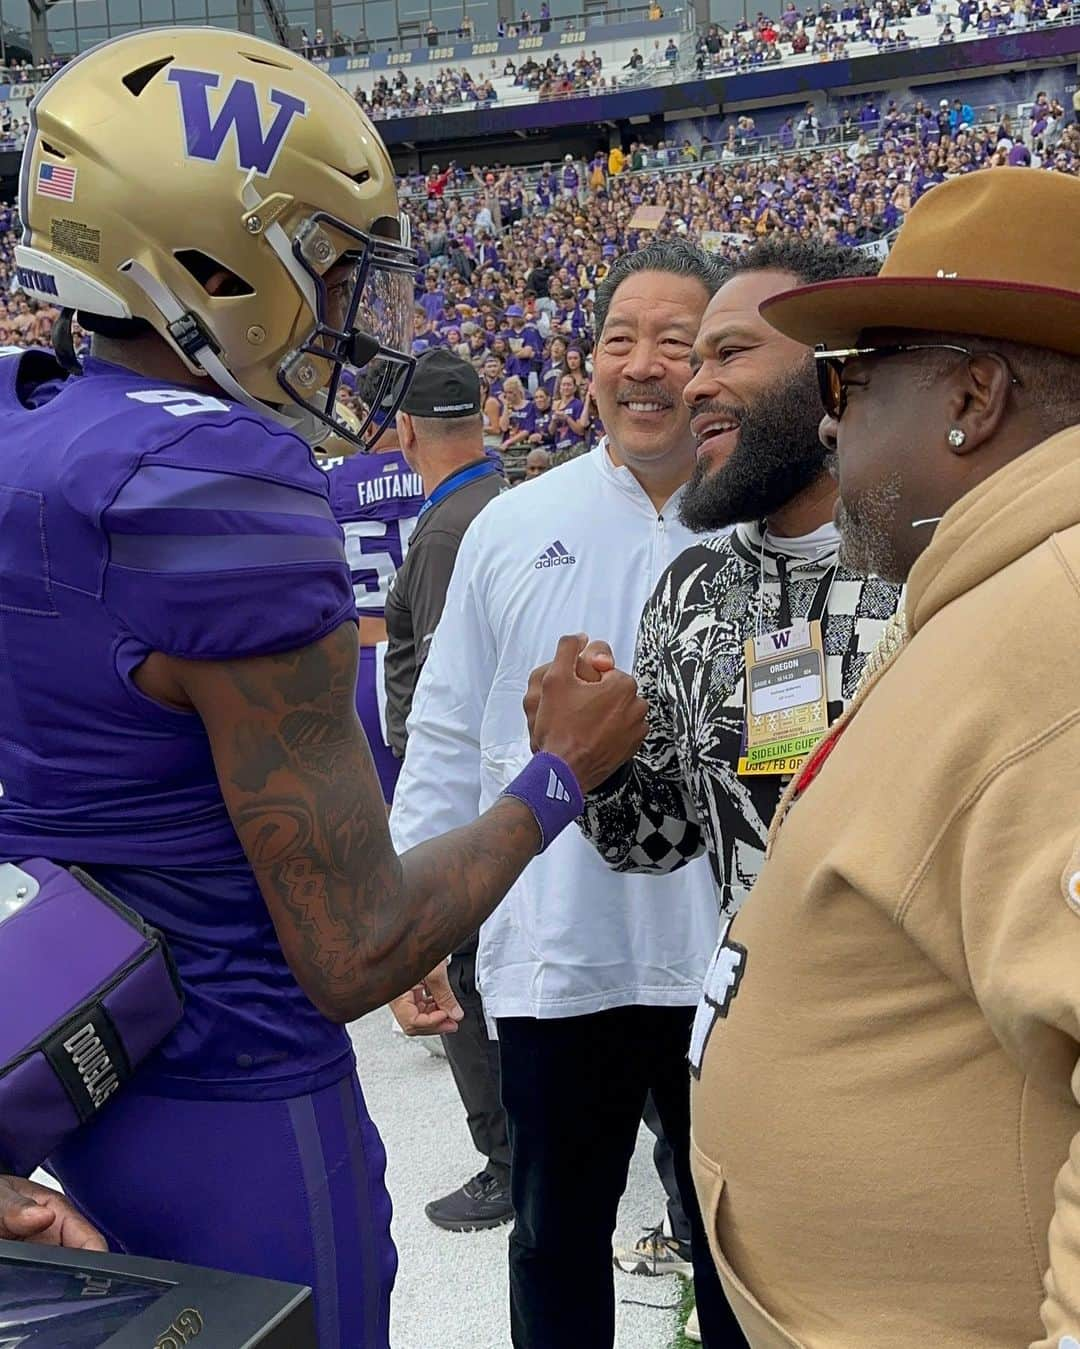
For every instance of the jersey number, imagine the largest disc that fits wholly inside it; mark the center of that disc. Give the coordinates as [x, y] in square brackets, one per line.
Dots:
[181, 402]
[375, 549]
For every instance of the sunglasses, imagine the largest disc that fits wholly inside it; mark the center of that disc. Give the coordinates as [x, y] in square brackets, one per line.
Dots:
[830, 368]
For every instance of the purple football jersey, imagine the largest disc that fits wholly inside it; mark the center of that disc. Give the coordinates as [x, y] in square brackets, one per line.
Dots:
[135, 517]
[376, 499]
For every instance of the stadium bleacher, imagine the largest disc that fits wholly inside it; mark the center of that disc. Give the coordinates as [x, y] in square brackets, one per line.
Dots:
[849, 182]
[813, 36]
[541, 236]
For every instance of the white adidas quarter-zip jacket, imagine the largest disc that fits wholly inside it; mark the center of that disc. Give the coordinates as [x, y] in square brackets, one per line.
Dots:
[576, 550]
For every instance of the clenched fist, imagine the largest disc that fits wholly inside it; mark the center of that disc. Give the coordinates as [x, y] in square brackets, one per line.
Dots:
[585, 711]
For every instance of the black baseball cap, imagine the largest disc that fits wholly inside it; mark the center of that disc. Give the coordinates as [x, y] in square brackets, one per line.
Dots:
[443, 385]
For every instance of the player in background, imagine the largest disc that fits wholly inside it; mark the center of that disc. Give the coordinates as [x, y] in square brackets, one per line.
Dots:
[376, 498]
[178, 628]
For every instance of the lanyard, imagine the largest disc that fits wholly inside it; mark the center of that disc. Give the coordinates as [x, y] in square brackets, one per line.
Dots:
[818, 605]
[456, 482]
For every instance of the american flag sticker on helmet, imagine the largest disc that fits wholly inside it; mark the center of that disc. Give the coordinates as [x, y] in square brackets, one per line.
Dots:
[54, 180]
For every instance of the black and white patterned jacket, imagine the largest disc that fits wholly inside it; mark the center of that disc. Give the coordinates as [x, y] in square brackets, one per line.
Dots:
[681, 794]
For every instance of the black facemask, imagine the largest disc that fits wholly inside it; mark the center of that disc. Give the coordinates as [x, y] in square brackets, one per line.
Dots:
[777, 455]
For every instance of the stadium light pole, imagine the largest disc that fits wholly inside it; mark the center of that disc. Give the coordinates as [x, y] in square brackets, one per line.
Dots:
[39, 32]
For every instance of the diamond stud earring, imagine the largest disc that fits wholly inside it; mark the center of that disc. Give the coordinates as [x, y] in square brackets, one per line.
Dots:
[956, 437]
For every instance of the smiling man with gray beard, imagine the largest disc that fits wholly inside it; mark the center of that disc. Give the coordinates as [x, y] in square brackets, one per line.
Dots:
[700, 783]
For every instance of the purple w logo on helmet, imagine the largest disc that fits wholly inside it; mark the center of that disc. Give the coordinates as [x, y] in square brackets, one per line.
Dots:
[205, 135]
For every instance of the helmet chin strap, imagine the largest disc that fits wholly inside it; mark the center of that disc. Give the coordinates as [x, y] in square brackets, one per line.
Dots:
[199, 350]
[64, 344]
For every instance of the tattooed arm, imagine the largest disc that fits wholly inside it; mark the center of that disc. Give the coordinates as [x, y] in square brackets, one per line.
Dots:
[358, 924]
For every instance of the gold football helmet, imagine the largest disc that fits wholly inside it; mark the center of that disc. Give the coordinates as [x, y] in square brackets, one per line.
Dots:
[335, 446]
[235, 198]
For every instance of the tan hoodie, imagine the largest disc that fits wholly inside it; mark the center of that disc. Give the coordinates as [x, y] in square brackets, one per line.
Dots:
[885, 1127]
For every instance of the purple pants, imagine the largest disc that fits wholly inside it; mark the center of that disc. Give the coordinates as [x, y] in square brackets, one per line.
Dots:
[289, 1189]
[370, 705]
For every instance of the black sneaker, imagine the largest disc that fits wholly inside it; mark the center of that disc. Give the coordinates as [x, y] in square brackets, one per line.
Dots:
[481, 1202]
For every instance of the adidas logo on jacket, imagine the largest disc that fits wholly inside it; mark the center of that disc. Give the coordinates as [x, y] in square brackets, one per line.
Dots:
[555, 555]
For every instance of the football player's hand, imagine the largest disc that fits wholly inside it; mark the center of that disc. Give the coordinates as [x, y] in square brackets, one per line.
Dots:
[430, 1008]
[35, 1213]
[588, 715]
[596, 659]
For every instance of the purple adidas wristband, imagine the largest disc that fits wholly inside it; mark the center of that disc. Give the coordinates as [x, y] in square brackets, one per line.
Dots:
[549, 788]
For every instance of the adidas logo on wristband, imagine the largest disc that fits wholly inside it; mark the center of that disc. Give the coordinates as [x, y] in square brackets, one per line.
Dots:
[549, 788]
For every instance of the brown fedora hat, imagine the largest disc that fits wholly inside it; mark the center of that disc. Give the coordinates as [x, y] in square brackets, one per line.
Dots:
[994, 254]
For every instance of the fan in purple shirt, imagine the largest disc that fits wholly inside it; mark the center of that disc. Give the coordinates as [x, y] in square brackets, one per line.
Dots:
[523, 333]
[541, 418]
[554, 366]
[568, 420]
[425, 334]
[492, 371]
[521, 366]
[545, 187]
[518, 418]
[432, 299]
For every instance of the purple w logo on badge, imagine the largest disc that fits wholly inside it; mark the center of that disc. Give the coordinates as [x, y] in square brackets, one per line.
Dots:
[256, 146]
[781, 639]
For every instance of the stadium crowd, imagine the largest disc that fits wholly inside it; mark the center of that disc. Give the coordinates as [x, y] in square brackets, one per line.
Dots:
[25, 72]
[825, 33]
[456, 88]
[449, 89]
[508, 271]
[828, 32]
[510, 259]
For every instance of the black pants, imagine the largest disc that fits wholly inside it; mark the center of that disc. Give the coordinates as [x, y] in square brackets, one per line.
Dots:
[474, 1062]
[574, 1090]
[664, 1161]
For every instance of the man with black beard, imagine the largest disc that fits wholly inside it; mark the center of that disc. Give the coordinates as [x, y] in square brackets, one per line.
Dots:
[696, 785]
